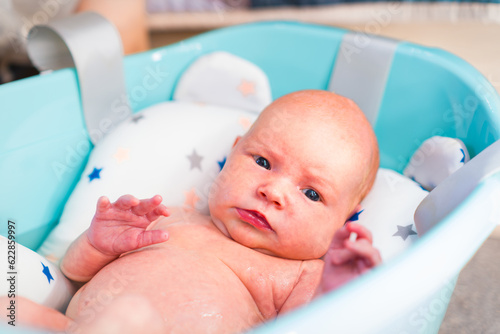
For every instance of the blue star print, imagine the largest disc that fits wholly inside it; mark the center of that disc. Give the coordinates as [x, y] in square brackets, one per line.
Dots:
[463, 158]
[95, 174]
[355, 217]
[46, 272]
[222, 163]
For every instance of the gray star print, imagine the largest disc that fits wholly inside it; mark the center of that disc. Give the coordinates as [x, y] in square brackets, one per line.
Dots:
[195, 160]
[404, 231]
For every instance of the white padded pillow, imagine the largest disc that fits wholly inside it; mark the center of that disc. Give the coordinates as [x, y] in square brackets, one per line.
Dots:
[436, 159]
[174, 149]
[387, 211]
[37, 279]
[220, 78]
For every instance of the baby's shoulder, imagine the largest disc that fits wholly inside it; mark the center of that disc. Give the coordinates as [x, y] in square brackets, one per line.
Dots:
[294, 282]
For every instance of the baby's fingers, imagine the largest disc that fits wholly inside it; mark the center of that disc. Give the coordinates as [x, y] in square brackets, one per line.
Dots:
[126, 202]
[365, 250]
[146, 206]
[160, 210]
[361, 231]
[339, 237]
[133, 239]
[103, 204]
[340, 256]
[151, 237]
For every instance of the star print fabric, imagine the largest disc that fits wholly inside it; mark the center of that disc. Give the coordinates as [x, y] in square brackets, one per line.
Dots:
[436, 159]
[37, 279]
[388, 212]
[174, 149]
[221, 77]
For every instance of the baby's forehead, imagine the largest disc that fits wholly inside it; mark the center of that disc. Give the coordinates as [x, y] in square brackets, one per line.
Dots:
[332, 111]
[323, 126]
[316, 100]
[328, 118]
[313, 141]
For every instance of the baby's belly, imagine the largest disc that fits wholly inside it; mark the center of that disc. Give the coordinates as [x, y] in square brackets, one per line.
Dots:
[192, 292]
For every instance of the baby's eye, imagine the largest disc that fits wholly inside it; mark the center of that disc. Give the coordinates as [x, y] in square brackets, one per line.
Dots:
[312, 195]
[262, 162]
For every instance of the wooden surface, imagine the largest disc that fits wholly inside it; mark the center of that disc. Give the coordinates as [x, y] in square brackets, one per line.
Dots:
[337, 14]
[471, 31]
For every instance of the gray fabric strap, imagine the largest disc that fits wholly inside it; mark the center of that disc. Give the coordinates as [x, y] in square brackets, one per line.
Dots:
[92, 44]
[361, 69]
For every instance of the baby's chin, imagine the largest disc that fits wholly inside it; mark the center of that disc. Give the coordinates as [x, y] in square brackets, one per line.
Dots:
[266, 252]
[293, 255]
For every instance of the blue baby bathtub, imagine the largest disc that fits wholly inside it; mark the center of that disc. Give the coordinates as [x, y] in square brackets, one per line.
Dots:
[418, 92]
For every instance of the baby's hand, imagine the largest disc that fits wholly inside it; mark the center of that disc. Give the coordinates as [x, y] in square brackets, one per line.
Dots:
[120, 227]
[348, 259]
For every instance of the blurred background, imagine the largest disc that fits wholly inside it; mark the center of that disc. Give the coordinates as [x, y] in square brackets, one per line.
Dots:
[470, 30]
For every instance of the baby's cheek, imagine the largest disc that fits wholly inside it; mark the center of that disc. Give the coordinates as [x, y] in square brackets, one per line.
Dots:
[321, 246]
[216, 193]
[322, 239]
[310, 245]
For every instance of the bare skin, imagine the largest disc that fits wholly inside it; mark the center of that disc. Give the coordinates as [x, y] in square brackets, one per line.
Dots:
[209, 283]
[277, 207]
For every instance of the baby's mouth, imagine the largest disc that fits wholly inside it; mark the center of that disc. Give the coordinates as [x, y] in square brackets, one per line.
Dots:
[254, 218]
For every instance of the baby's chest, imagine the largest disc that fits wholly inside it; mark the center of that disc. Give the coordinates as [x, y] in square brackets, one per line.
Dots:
[208, 259]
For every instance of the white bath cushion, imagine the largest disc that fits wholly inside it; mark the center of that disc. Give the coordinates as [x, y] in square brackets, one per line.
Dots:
[387, 211]
[174, 149]
[31, 276]
[221, 78]
[436, 159]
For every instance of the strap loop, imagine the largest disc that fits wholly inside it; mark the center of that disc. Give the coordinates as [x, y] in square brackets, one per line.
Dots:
[92, 44]
[361, 70]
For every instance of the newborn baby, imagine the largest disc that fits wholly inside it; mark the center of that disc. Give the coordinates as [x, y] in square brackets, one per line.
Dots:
[289, 185]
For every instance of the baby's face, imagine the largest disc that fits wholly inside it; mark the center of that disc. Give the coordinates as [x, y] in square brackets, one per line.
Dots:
[288, 184]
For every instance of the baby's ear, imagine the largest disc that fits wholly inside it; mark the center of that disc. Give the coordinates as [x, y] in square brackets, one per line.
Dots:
[356, 209]
[236, 141]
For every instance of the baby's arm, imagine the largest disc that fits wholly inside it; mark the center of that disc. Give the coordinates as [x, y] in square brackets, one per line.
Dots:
[347, 259]
[116, 228]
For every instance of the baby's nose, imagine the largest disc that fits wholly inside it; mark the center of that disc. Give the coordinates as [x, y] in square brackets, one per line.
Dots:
[274, 193]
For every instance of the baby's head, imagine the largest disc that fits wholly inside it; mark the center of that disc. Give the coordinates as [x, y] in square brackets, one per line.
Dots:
[296, 176]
